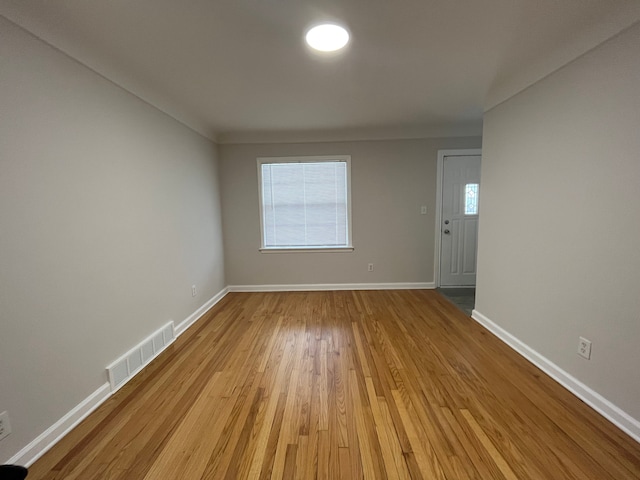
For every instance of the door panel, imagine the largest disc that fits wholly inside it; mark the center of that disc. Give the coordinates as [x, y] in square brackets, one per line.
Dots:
[459, 229]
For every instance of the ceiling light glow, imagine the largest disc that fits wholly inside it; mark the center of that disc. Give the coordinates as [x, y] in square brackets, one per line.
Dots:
[327, 37]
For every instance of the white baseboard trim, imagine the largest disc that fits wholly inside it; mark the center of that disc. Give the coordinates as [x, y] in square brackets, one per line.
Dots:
[52, 435]
[195, 316]
[313, 287]
[611, 412]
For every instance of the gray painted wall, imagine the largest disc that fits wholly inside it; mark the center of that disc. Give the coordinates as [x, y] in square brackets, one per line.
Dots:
[109, 212]
[390, 180]
[559, 239]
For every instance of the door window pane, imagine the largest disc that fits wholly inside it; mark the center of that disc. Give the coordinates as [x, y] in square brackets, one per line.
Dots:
[471, 198]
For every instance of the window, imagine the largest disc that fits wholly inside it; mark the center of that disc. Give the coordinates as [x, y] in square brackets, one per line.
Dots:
[471, 198]
[305, 203]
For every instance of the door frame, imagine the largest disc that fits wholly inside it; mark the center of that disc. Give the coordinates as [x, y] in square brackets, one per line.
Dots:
[468, 152]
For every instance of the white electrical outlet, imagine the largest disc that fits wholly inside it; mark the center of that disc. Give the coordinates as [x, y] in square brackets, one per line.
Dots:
[423, 210]
[370, 267]
[584, 348]
[5, 426]
[194, 291]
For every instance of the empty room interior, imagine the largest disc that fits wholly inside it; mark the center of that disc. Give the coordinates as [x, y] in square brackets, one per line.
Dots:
[301, 239]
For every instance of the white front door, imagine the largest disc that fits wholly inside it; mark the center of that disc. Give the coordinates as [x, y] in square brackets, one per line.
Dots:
[459, 220]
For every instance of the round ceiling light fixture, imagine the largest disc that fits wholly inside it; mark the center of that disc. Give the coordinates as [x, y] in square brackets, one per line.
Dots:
[327, 37]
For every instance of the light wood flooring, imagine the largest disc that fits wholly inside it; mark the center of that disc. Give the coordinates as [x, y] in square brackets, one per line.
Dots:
[350, 385]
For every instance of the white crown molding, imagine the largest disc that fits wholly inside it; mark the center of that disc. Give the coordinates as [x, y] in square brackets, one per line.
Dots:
[610, 411]
[510, 84]
[108, 71]
[351, 134]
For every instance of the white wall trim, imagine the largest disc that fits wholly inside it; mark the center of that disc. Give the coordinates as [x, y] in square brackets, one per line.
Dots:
[52, 435]
[152, 99]
[612, 412]
[195, 316]
[439, 179]
[464, 129]
[311, 287]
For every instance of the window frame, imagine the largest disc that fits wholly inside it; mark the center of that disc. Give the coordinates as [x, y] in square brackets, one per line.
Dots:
[312, 248]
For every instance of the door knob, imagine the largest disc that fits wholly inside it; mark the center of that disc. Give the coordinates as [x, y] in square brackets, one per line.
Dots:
[447, 232]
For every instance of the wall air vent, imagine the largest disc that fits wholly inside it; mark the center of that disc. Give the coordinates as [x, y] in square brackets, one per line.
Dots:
[128, 365]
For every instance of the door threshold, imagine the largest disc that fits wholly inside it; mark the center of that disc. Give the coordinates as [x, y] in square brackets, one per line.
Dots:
[462, 297]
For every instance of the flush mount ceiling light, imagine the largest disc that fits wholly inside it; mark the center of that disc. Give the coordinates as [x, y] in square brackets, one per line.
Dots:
[327, 37]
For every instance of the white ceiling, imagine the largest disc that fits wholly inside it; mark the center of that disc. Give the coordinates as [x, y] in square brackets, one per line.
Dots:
[238, 70]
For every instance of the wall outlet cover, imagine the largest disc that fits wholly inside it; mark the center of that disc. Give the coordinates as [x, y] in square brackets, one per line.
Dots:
[584, 348]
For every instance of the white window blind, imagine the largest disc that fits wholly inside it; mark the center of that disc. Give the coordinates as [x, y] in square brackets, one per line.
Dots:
[305, 202]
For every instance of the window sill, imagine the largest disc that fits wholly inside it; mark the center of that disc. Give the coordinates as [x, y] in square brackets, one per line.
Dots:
[306, 249]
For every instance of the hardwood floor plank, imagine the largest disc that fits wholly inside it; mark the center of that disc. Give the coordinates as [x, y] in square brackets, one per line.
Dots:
[420, 446]
[491, 449]
[268, 422]
[331, 385]
[289, 430]
[189, 435]
[393, 441]
[289, 470]
[368, 443]
[384, 436]
[272, 444]
[324, 387]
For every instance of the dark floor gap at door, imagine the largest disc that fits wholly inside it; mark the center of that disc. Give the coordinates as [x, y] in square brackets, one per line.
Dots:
[462, 297]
